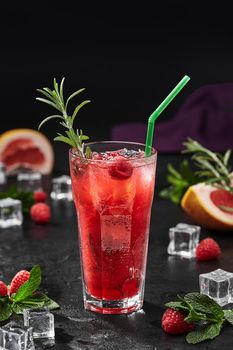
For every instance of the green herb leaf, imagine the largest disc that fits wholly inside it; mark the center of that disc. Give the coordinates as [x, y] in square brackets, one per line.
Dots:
[179, 182]
[5, 310]
[30, 286]
[195, 316]
[192, 314]
[210, 331]
[214, 165]
[204, 304]
[226, 157]
[27, 198]
[177, 305]
[55, 98]
[55, 116]
[228, 315]
[88, 152]
[64, 139]
[34, 301]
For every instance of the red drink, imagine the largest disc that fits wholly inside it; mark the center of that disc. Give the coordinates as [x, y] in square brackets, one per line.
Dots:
[113, 193]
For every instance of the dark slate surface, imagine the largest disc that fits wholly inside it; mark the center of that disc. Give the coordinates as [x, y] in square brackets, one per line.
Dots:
[55, 248]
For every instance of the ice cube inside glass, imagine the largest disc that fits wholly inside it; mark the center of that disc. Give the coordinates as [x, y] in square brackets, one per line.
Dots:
[218, 285]
[183, 242]
[29, 181]
[61, 188]
[16, 337]
[10, 212]
[41, 320]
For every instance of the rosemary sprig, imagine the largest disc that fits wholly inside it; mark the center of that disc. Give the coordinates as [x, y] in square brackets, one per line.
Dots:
[55, 99]
[214, 166]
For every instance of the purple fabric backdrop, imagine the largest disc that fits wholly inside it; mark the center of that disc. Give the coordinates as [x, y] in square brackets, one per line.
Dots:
[206, 116]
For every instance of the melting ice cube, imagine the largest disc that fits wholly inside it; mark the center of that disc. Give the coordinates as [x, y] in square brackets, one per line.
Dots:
[183, 241]
[10, 212]
[218, 285]
[29, 181]
[16, 337]
[61, 188]
[2, 174]
[41, 320]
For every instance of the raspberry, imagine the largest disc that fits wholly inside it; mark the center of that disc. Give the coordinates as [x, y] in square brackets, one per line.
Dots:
[40, 196]
[20, 278]
[40, 213]
[3, 289]
[121, 169]
[173, 322]
[208, 249]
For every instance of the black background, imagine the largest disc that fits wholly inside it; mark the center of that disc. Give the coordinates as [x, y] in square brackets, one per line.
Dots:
[127, 56]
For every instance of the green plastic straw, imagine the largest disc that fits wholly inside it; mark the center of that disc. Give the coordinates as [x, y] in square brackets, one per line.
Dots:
[159, 110]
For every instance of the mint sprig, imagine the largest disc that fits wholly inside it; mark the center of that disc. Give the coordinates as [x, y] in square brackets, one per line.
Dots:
[27, 296]
[202, 311]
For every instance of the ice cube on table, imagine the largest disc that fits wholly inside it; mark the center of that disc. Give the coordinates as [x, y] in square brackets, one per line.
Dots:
[183, 241]
[2, 174]
[41, 320]
[197, 228]
[29, 181]
[61, 188]
[16, 337]
[10, 212]
[218, 285]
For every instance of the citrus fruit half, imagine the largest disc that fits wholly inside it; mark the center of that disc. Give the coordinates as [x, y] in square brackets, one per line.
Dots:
[27, 149]
[212, 208]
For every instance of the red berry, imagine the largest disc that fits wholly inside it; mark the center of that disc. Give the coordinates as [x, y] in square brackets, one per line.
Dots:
[3, 289]
[121, 169]
[208, 249]
[40, 213]
[20, 278]
[173, 322]
[40, 196]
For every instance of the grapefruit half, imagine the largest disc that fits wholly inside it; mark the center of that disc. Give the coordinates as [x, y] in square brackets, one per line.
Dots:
[27, 149]
[210, 207]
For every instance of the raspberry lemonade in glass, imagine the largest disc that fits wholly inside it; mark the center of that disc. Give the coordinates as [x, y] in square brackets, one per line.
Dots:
[113, 193]
[113, 188]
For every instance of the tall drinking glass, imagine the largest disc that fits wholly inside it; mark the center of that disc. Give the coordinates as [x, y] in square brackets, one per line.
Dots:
[113, 193]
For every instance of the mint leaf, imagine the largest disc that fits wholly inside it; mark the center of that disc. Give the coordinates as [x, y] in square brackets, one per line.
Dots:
[204, 304]
[34, 301]
[177, 305]
[229, 316]
[17, 308]
[42, 298]
[30, 286]
[208, 332]
[195, 316]
[51, 304]
[5, 310]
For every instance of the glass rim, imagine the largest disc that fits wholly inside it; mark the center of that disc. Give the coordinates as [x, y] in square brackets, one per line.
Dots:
[154, 152]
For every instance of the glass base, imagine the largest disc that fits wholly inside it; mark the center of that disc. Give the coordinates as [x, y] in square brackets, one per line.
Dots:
[113, 307]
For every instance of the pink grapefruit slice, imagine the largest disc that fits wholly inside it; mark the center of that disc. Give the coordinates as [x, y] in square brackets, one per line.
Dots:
[210, 207]
[27, 149]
